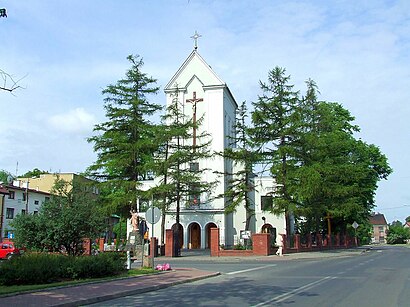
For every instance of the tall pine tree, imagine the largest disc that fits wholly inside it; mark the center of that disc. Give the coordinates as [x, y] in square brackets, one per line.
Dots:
[275, 131]
[124, 144]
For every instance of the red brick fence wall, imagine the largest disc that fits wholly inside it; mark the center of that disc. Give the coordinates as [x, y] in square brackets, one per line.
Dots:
[262, 247]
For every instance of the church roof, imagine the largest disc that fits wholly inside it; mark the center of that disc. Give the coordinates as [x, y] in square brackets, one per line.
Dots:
[195, 66]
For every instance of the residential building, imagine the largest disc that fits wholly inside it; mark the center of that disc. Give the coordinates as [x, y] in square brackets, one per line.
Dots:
[379, 227]
[45, 182]
[16, 200]
[204, 95]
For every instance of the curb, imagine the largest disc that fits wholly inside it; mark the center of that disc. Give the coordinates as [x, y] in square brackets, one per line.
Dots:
[135, 291]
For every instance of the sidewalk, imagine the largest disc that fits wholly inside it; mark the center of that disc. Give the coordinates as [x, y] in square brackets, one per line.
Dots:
[204, 255]
[101, 291]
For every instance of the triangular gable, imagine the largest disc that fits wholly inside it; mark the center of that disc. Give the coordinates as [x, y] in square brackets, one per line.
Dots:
[377, 219]
[194, 67]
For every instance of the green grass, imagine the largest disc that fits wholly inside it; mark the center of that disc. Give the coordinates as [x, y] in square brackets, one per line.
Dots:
[4, 290]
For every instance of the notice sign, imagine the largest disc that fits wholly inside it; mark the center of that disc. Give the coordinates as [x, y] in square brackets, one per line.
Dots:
[245, 234]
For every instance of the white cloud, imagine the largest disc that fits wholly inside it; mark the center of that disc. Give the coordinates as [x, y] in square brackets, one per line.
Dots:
[74, 121]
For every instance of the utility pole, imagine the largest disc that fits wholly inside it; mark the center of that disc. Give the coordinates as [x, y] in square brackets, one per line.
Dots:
[27, 183]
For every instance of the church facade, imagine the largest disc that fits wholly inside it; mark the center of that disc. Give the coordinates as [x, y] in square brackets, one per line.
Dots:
[203, 94]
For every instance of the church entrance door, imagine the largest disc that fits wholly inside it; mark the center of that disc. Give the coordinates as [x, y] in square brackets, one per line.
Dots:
[194, 236]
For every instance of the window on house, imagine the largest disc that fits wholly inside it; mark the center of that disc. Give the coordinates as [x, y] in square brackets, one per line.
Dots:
[35, 212]
[23, 211]
[381, 229]
[9, 213]
[36, 202]
[24, 196]
[266, 203]
[11, 194]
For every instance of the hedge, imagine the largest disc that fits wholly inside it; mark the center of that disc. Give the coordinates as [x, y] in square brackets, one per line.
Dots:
[41, 268]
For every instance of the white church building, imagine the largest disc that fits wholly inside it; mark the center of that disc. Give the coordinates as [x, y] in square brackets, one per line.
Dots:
[195, 80]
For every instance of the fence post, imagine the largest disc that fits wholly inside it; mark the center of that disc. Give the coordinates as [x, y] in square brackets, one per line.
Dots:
[169, 243]
[214, 242]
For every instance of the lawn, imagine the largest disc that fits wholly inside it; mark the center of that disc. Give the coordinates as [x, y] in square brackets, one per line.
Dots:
[4, 290]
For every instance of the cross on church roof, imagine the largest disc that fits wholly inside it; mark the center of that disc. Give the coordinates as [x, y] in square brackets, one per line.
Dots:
[195, 38]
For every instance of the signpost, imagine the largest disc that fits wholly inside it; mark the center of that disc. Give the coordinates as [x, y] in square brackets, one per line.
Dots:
[355, 225]
[152, 216]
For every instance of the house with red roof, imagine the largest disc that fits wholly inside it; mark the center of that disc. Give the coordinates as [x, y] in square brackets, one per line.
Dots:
[379, 227]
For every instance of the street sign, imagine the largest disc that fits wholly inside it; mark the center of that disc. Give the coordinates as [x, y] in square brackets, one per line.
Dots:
[355, 225]
[153, 215]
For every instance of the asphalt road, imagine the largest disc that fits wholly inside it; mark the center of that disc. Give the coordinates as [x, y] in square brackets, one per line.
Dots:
[380, 277]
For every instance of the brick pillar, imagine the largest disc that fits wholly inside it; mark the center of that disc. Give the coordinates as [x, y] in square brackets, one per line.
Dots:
[169, 243]
[297, 242]
[153, 247]
[319, 240]
[214, 242]
[260, 243]
[101, 244]
[87, 247]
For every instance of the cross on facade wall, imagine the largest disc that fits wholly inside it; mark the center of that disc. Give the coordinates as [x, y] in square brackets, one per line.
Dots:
[194, 101]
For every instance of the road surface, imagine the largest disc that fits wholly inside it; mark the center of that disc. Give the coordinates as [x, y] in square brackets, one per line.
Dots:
[380, 277]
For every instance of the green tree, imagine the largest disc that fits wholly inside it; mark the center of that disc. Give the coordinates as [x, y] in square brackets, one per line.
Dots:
[63, 222]
[34, 173]
[120, 229]
[181, 148]
[337, 174]
[319, 166]
[242, 158]
[397, 234]
[124, 144]
[5, 176]
[408, 219]
[275, 123]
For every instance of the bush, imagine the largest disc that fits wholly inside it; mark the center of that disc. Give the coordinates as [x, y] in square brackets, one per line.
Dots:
[395, 238]
[33, 268]
[239, 246]
[41, 268]
[104, 264]
[397, 234]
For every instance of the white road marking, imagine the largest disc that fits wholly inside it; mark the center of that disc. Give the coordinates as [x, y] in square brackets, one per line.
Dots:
[249, 270]
[289, 294]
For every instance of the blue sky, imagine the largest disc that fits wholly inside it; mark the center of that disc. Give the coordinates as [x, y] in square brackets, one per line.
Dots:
[68, 51]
